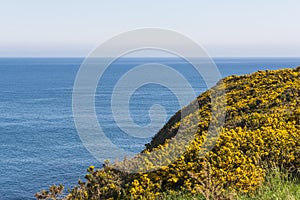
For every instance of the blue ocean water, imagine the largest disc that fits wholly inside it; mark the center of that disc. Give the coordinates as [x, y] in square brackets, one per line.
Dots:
[39, 145]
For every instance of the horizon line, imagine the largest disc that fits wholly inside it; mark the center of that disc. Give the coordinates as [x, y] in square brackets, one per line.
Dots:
[213, 57]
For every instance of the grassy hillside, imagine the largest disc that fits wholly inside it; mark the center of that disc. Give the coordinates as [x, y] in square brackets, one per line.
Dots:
[261, 132]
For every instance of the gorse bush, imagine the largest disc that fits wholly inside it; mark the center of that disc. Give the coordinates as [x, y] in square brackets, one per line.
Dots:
[278, 184]
[261, 129]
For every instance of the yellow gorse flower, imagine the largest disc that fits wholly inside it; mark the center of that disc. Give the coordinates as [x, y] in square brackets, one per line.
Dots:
[262, 127]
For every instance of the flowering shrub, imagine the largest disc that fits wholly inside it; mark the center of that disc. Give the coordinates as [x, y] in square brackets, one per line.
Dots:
[262, 128]
[100, 184]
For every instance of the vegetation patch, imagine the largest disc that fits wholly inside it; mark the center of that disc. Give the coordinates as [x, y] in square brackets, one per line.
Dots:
[261, 133]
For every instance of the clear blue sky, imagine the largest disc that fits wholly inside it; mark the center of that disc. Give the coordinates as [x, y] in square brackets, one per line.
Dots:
[224, 28]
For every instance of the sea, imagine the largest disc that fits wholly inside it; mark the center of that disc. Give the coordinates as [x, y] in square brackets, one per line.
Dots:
[39, 142]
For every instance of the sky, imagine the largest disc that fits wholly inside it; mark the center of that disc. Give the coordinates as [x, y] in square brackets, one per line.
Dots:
[231, 28]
